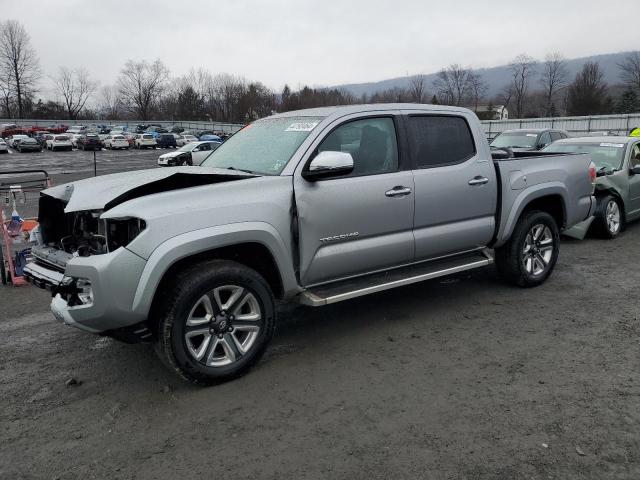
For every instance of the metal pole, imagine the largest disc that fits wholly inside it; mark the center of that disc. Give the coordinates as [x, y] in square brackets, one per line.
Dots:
[95, 165]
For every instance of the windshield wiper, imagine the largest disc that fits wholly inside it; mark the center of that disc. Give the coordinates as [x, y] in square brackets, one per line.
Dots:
[243, 170]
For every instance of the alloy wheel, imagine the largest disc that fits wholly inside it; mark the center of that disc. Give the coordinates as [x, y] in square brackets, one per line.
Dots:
[223, 325]
[538, 249]
[612, 217]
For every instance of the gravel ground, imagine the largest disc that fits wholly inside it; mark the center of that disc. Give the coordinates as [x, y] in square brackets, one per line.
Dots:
[465, 377]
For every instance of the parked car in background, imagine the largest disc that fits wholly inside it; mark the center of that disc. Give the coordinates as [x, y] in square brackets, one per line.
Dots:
[73, 137]
[182, 140]
[115, 142]
[210, 138]
[145, 140]
[617, 161]
[76, 129]
[89, 141]
[198, 259]
[156, 130]
[201, 133]
[190, 154]
[530, 139]
[120, 130]
[130, 137]
[176, 129]
[29, 145]
[58, 142]
[41, 136]
[166, 140]
[4, 148]
[14, 140]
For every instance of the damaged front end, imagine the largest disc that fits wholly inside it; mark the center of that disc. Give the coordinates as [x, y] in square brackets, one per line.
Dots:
[81, 256]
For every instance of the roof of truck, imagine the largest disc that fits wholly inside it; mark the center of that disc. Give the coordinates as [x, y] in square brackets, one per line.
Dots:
[603, 139]
[373, 107]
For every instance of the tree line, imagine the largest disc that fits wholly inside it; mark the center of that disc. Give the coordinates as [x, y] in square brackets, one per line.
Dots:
[145, 90]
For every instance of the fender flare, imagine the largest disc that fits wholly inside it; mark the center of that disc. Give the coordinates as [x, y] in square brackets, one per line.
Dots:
[206, 239]
[524, 199]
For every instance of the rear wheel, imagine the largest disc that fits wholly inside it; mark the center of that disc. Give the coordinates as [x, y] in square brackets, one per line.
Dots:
[530, 255]
[609, 218]
[216, 322]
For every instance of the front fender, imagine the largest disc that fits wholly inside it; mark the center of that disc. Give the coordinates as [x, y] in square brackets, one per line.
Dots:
[520, 202]
[198, 241]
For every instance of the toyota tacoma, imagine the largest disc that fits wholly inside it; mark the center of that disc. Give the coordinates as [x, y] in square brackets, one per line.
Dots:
[314, 207]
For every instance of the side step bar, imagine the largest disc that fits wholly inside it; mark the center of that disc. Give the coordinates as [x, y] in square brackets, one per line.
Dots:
[377, 282]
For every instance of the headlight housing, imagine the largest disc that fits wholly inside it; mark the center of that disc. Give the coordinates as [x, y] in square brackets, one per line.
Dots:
[76, 291]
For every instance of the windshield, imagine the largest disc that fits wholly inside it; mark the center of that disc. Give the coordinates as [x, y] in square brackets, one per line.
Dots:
[187, 147]
[604, 155]
[515, 140]
[264, 146]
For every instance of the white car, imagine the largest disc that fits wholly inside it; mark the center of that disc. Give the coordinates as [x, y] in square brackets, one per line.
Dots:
[58, 142]
[76, 129]
[116, 141]
[145, 140]
[14, 140]
[182, 140]
[4, 148]
[192, 153]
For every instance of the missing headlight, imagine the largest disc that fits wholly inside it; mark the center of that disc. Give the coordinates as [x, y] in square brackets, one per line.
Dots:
[120, 232]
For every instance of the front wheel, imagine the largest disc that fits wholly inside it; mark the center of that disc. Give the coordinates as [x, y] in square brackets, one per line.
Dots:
[609, 220]
[530, 255]
[216, 322]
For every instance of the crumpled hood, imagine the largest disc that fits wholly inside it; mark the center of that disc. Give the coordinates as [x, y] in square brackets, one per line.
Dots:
[104, 192]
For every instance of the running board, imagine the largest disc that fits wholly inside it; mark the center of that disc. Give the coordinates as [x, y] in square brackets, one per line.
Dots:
[377, 282]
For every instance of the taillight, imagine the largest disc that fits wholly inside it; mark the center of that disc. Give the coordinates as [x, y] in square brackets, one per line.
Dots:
[592, 172]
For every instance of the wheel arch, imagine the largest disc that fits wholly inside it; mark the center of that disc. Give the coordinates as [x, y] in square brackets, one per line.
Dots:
[547, 198]
[604, 191]
[256, 246]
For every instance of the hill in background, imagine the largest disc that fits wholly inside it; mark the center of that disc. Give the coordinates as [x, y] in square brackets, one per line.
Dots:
[496, 78]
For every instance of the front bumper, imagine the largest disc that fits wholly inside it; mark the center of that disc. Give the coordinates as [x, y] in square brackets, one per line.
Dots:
[114, 279]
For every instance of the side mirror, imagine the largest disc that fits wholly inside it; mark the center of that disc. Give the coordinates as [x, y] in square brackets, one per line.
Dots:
[327, 165]
[635, 170]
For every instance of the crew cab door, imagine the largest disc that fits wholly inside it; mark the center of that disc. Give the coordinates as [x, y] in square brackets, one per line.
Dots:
[360, 222]
[455, 185]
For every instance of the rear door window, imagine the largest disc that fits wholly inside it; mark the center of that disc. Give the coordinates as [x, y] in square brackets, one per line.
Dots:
[439, 140]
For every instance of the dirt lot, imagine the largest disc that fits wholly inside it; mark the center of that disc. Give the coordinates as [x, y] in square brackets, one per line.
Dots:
[460, 378]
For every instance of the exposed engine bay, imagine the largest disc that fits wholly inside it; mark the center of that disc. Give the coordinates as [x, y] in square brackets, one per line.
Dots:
[83, 233]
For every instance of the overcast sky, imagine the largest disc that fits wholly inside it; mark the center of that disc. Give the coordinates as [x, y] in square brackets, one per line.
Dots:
[316, 42]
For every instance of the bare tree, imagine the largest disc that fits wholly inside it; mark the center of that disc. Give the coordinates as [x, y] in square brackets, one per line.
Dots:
[109, 103]
[141, 84]
[477, 88]
[630, 70]
[417, 88]
[523, 67]
[18, 61]
[555, 77]
[6, 90]
[452, 85]
[588, 94]
[75, 87]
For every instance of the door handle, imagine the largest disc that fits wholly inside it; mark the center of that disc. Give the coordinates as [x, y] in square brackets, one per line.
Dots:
[478, 180]
[398, 191]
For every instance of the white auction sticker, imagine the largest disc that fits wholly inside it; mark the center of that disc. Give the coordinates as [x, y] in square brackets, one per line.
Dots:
[615, 145]
[301, 127]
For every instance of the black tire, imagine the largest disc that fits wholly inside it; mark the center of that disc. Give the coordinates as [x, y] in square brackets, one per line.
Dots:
[601, 225]
[511, 261]
[183, 295]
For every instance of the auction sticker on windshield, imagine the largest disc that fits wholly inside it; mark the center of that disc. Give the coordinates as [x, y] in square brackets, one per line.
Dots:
[615, 145]
[301, 127]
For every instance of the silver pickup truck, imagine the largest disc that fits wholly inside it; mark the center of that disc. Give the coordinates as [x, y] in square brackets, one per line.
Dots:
[315, 206]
